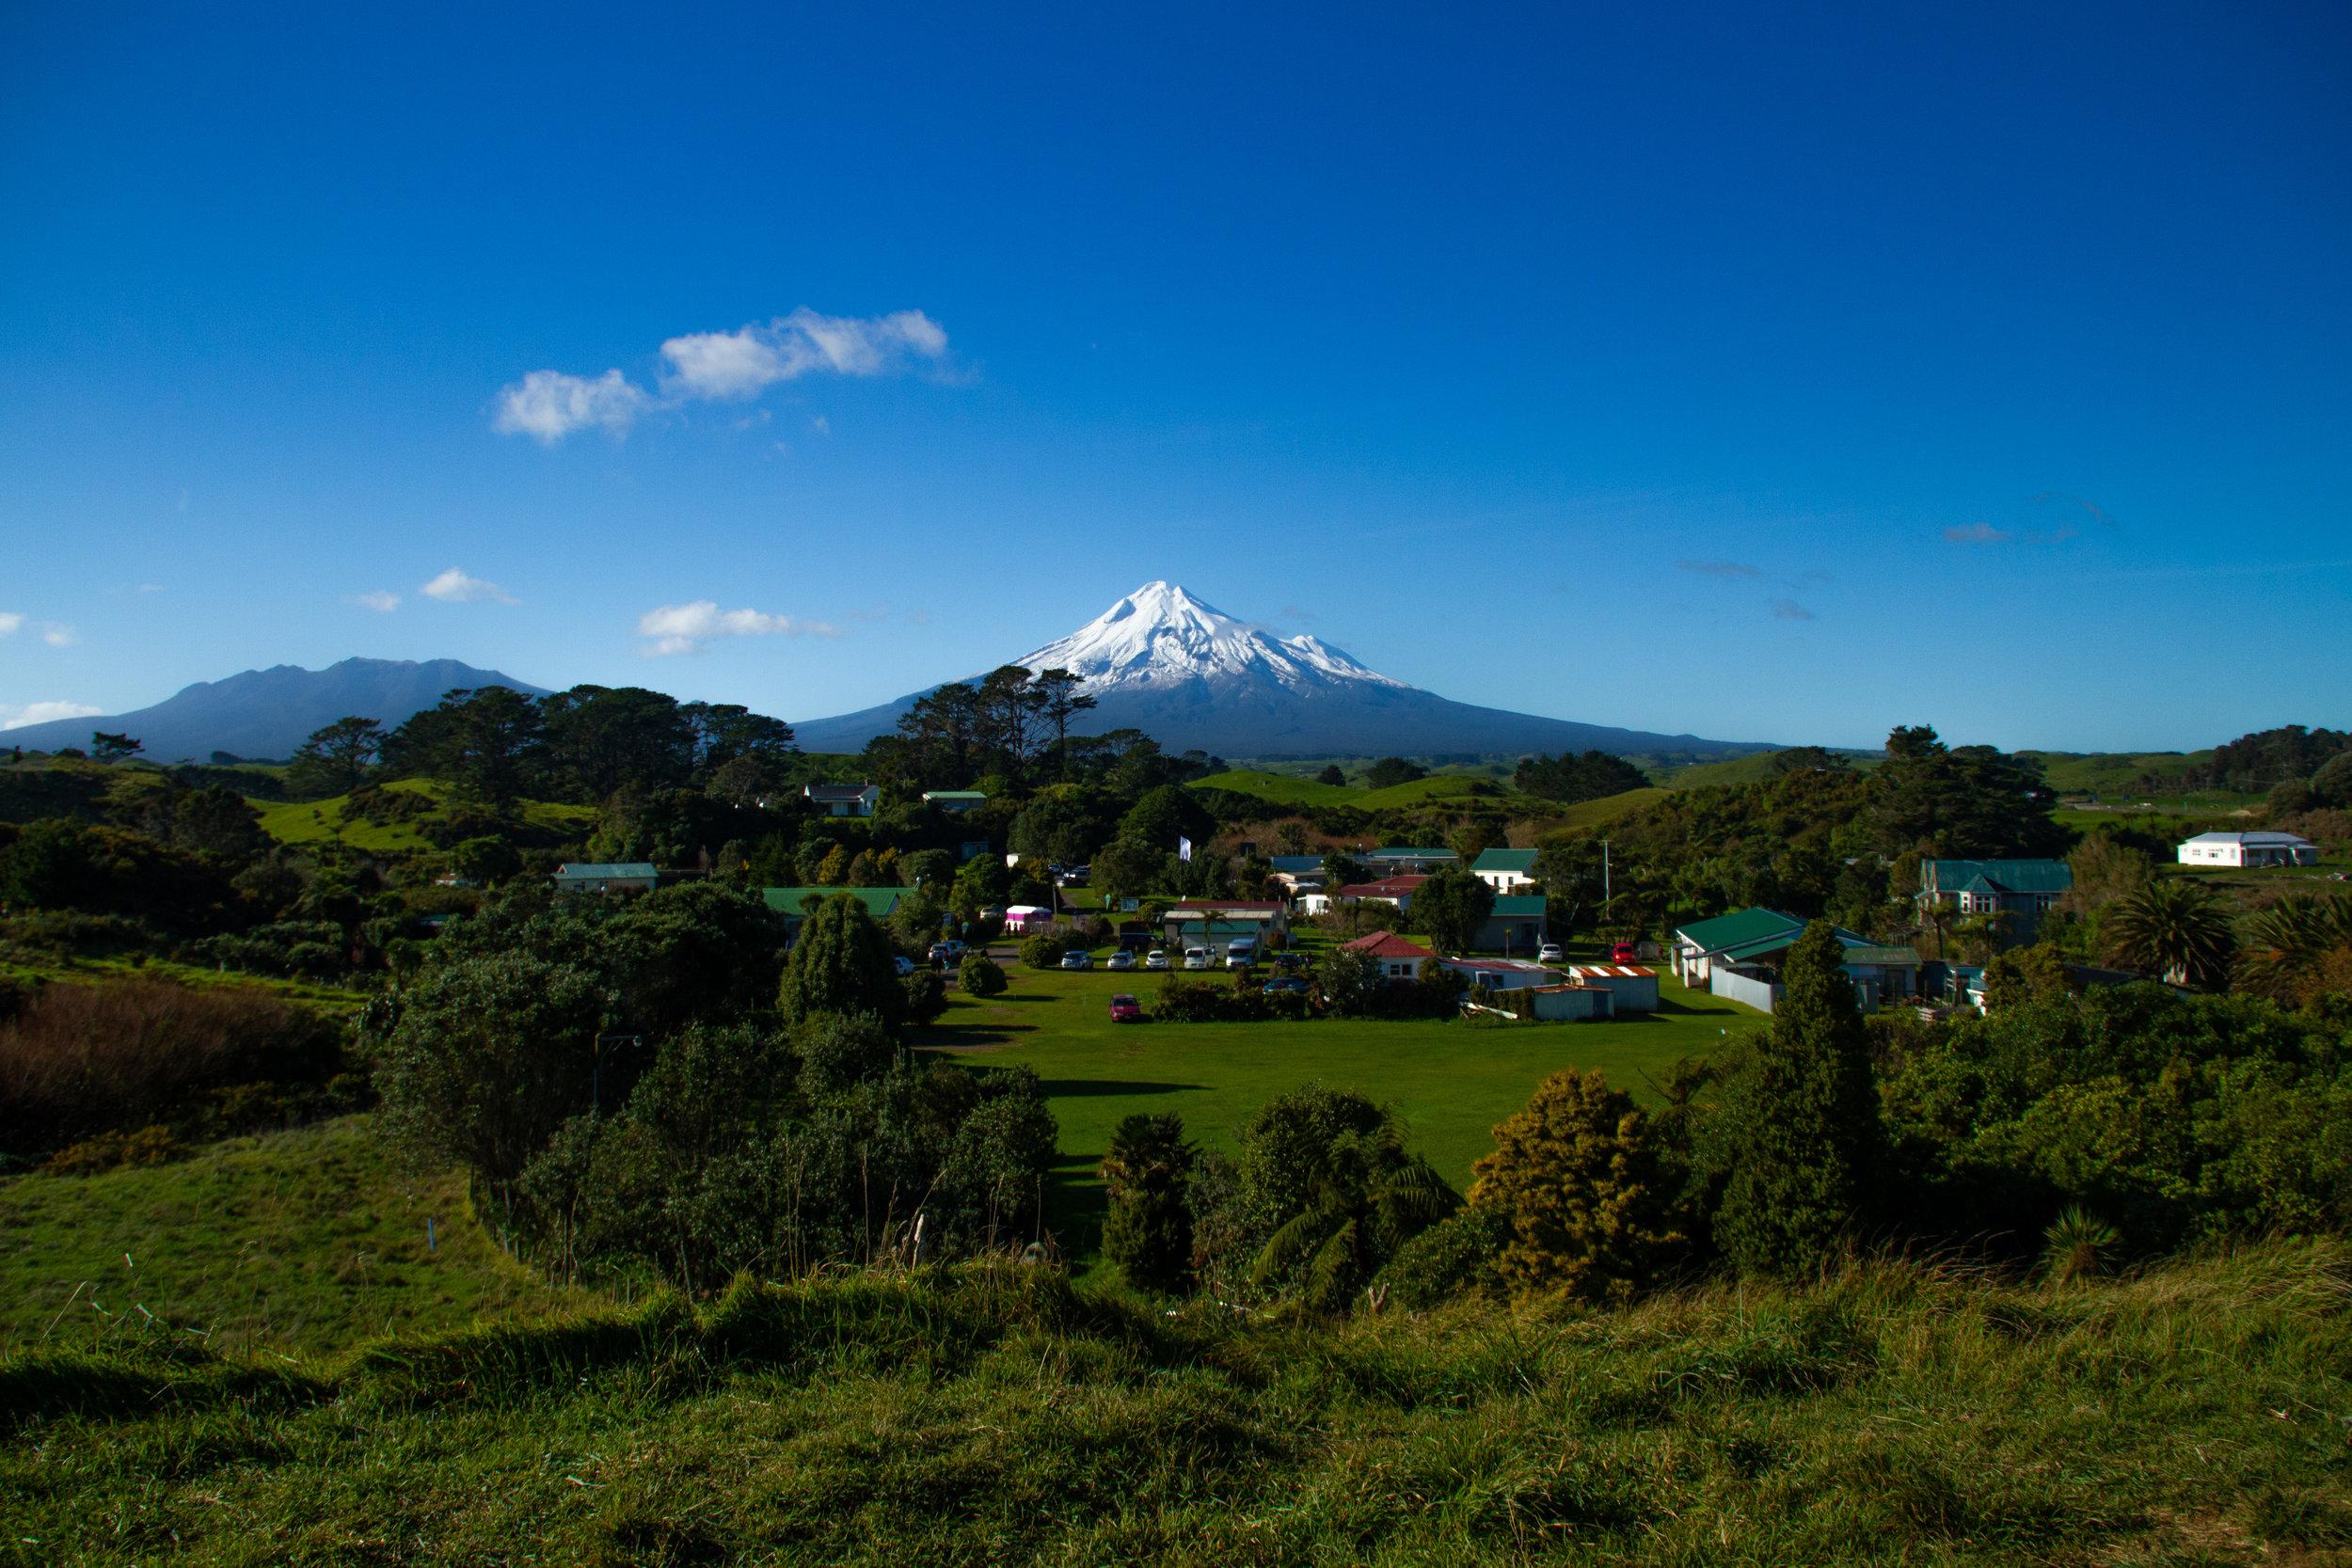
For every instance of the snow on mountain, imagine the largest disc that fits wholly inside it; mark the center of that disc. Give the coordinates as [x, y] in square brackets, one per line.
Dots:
[1161, 636]
[1191, 677]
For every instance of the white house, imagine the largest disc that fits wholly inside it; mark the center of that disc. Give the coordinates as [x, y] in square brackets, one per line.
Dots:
[1507, 870]
[2248, 850]
[843, 799]
[1502, 973]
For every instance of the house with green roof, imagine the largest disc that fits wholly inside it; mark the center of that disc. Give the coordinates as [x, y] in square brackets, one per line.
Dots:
[794, 903]
[1400, 859]
[955, 799]
[1506, 870]
[1738, 956]
[2022, 890]
[1515, 926]
[606, 877]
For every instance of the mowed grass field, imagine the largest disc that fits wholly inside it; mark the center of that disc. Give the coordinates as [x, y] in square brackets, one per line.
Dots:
[317, 821]
[1451, 1081]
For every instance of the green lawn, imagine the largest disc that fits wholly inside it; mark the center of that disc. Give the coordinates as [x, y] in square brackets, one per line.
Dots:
[310, 1241]
[1451, 1082]
[318, 821]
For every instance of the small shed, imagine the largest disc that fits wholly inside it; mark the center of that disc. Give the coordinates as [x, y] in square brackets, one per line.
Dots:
[1027, 917]
[955, 799]
[1502, 974]
[1634, 987]
[1572, 1003]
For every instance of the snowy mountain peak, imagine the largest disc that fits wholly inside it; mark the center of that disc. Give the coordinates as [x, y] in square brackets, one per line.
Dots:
[1162, 636]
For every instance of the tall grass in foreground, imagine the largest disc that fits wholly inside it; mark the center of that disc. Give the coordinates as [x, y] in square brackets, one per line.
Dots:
[1894, 1413]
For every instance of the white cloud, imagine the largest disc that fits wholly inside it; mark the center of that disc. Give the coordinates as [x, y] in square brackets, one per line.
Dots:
[41, 713]
[385, 603]
[58, 635]
[685, 628]
[549, 406]
[744, 362]
[455, 587]
[10, 625]
[1977, 534]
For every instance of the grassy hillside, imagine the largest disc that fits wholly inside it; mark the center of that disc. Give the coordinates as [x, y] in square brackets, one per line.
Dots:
[317, 821]
[1280, 788]
[308, 1240]
[1437, 787]
[1894, 1413]
[1587, 816]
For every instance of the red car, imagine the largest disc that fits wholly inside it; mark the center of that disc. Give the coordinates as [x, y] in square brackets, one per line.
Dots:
[1621, 953]
[1126, 1009]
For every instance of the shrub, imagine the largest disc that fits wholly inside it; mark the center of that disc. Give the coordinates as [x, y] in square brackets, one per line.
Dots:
[1184, 1001]
[842, 963]
[1146, 1173]
[925, 995]
[979, 976]
[1042, 951]
[1576, 1177]
[836, 1051]
[1454, 1258]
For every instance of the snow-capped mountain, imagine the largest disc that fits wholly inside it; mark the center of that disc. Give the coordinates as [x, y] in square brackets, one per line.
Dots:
[1160, 635]
[1191, 677]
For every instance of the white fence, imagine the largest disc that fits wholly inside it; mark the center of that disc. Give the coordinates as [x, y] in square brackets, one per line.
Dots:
[1739, 987]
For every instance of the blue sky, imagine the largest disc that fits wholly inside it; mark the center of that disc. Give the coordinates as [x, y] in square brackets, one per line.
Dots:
[1758, 373]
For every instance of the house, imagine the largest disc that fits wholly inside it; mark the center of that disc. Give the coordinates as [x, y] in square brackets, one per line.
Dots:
[1634, 987]
[1502, 974]
[1389, 890]
[2248, 849]
[1397, 959]
[1739, 955]
[794, 903]
[1388, 863]
[1515, 924]
[843, 799]
[953, 799]
[1507, 870]
[607, 876]
[2022, 890]
[1203, 921]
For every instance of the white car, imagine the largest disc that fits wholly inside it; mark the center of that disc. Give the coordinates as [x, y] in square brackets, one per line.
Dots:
[1078, 960]
[905, 966]
[1122, 960]
[1196, 957]
[1552, 954]
[1155, 960]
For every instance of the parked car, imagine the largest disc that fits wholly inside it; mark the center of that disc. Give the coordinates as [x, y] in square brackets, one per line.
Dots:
[1156, 959]
[1126, 1009]
[1078, 960]
[904, 966]
[1122, 960]
[1285, 984]
[1196, 957]
[950, 953]
[1074, 877]
[1241, 954]
[1287, 962]
[1622, 954]
[1552, 953]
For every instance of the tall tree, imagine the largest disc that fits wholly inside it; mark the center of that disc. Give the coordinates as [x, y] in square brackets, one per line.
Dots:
[1060, 700]
[112, 749]
[1451, 907]
[1797, 1131]
[598, 738]
[1594, 776]
[1970, 802]
[841, 964]
[335, 760]
[1147, 1173]
[2174, 929]
[497, 737]
[1009, 710]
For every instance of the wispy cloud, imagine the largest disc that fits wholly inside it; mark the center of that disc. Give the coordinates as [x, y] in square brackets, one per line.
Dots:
[13, 718]
[2097, 513]
[1718, 568]
[1790, 610]
[11, 624]
[1977, 534]
[385, 603]
[549, 406]
[688, 628]
[58, 635]
[455, 587]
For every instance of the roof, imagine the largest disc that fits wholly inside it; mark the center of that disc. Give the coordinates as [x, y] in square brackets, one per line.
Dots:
[1516, 965]
[879, 901]
[1404, 854]
[955, 794]
[1520, 861]
[607, 870]
[1614, 971]
[1226, 906]
[837, 792]
[1387, 944]
[1387, 887]
[1737, 929]
[1297, 863]
[1996, 876]
[1518, 906]
[2259, 840]
[1869, 955]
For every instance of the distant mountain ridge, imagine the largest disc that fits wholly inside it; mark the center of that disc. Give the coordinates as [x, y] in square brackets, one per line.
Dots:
[267, 713]
[1162, 661]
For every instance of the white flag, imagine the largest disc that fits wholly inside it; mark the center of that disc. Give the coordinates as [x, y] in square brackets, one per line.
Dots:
[1183, 849]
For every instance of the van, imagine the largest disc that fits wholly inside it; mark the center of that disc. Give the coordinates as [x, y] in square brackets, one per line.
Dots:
[1241, 954]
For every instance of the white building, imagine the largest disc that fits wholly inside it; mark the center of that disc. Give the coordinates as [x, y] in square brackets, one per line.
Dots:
[2248, 850]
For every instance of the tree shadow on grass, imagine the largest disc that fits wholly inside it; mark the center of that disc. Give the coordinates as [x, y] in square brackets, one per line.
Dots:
[1076, 1088]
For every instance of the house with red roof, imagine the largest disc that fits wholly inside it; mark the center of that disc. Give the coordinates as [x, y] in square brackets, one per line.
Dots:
[1398, 960]
[1389, 890]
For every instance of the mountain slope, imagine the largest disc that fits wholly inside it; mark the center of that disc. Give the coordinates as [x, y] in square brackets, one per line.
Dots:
[267, 713]
[1162, 661]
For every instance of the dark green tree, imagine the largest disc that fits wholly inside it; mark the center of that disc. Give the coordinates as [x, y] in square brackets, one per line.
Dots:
[1331, 775]
[1393, 771]
[2174, 929]
[336, 759]
[978, 976]
[598, 738]
[1797, 1134]
[1331, 1175]
[1451, 907]
[1147, 1173]
[1569, 779]
[112, 749]
[1165, 814]
[836, 1051]
[48, 868]
[841, 964]
[1058, 702]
